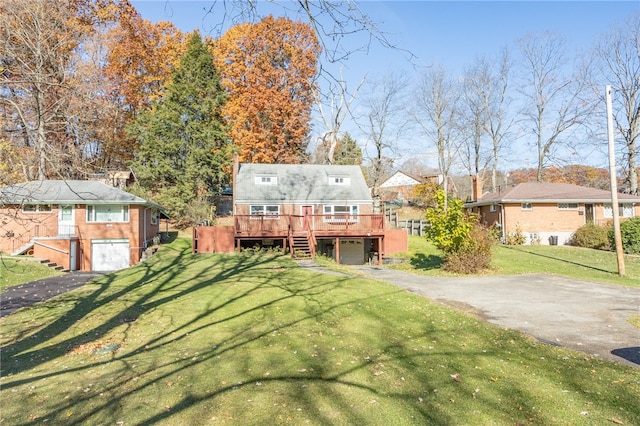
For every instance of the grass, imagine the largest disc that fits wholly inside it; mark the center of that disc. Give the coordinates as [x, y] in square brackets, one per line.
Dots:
[19, 271]
[634, 320]
[572, 262]
[255, 339]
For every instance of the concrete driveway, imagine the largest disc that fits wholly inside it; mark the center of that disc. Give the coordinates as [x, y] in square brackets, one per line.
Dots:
[580, 315]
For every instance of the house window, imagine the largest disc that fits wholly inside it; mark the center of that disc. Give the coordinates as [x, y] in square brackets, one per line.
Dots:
[526, 206]
[266, 180]
[36, 208]
[265, 210]
[339, 180]
[155, 217]
[567, 206]
[338, 213]
[625, 210]
[492, 208]
[108, 213]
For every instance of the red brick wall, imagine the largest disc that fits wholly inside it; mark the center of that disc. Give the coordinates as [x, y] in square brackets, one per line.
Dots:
[136, 230]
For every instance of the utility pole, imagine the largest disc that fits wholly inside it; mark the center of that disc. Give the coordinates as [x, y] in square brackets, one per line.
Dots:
[614, 186]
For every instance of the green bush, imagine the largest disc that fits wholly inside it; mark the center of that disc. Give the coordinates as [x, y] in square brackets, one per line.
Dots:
[630, 232]
[591, 236]
[475, 255]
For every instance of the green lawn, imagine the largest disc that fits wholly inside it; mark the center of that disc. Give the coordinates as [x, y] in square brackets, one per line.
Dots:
[573, 262]
[17, 271]
[238, 339]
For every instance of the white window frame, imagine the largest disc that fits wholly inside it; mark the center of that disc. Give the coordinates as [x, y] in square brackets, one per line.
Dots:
[625, 210]
[37, 208]
[339, 180]
[121, 213]
[266, 180]
[266, 211]
[568, 206]
[155, 217]
[337, 213]
[526, 206]
[492, 208]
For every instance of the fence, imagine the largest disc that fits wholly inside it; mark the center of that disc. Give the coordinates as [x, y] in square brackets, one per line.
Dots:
[414, 226]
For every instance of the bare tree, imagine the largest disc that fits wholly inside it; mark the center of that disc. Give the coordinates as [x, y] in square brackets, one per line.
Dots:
[499, 120]
[617, 56]
[38, 83]
[474, 117]
[334, 107]
[555, 100]
[436, 112]
[383, 124]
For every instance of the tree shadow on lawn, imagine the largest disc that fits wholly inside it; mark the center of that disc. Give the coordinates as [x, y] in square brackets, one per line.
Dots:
[135, 373]
[420, 261]
[32, 350]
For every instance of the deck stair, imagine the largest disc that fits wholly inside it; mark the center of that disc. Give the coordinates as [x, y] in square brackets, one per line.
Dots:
[53, 265]
[301, 246]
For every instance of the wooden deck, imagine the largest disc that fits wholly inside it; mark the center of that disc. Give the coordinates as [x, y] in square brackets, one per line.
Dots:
[282, 226]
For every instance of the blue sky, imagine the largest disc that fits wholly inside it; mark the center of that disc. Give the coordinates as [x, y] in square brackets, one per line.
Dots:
[451, 33]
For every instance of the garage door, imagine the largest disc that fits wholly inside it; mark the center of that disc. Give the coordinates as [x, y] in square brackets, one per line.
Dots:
[109, 255]
[352, 252]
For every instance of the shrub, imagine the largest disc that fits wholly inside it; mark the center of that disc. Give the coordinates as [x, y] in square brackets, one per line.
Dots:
[515, 238]
[449, 228]
[630, 232]
[475, 256]
[591, 236]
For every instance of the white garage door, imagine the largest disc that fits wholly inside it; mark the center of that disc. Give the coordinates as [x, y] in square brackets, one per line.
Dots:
[352, 252]
[109, 255]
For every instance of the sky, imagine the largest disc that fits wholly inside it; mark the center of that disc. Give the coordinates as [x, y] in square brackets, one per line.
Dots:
[448, 33]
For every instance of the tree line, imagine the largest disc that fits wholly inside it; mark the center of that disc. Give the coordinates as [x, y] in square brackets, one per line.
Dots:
[89, 86]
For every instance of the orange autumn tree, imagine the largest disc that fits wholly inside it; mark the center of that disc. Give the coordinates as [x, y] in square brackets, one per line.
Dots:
[268, 70]
[141, 57]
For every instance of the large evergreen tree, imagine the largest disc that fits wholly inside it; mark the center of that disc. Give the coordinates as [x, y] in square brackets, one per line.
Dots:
[347, 151]
[183, 153]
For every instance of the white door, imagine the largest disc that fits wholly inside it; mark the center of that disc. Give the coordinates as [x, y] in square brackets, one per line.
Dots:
[109, 255]
[73, 256]
[66, 220]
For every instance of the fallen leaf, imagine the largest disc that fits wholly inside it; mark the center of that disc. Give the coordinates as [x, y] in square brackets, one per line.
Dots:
[456, 377]
[617, 421]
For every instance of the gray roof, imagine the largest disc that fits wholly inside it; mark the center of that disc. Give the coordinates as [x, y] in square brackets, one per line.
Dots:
[68, 192]
[535, 192]
[300, 183]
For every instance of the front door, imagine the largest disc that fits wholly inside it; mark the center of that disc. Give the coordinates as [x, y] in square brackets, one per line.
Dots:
[588, 213]
[65, 220]
[307, 212]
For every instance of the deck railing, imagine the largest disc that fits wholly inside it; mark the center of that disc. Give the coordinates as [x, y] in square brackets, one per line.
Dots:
[336, 224]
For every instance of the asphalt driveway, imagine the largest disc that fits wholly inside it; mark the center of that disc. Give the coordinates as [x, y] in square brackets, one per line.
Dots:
[20, 296]
[580, 315]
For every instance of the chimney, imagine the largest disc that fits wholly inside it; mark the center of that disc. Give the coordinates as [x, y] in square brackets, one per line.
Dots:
[476, 190]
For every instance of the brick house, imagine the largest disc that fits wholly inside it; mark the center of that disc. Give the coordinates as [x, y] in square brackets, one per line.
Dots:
[305, 209]
[548, 213]
[79, 225]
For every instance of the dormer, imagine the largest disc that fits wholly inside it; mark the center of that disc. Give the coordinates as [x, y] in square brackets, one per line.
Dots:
[263, 179]
[339, 180]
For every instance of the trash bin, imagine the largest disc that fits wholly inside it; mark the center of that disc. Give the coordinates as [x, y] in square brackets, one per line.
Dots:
[553, 240]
